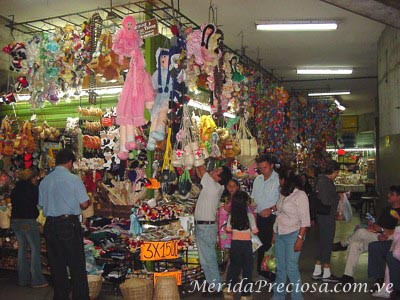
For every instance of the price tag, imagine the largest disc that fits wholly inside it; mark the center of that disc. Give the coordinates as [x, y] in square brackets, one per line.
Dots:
[176, 274]
[159, 250]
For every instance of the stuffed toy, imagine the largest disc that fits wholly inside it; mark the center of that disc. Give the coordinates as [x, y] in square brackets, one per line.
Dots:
[137, 91]
[18, 56]
[162, 84]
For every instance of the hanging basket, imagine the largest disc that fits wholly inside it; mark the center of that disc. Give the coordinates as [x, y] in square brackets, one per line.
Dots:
[137, 289]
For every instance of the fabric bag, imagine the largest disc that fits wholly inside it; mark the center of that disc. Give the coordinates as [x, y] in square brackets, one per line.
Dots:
[185, 183]
[248, 144]
[255, 242]
[168, 174]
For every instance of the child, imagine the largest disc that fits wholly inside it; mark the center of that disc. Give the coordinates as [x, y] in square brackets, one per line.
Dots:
[241, 223]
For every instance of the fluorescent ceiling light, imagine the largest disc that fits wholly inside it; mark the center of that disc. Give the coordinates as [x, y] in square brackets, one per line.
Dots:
[324, 71]
[296, 25]
[332, 93]
[352, 149]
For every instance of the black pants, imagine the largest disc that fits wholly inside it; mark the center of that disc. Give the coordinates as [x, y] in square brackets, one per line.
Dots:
[377, 252]
[326, 234]
[265, 232]
[64, 239]
[241, 260]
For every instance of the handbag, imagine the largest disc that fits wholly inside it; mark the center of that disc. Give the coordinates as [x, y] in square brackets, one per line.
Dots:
[247, 142]
[320, 208]
[168, 174]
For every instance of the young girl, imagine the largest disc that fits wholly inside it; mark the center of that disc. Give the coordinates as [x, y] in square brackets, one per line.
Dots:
[241, 223]
[223, 213]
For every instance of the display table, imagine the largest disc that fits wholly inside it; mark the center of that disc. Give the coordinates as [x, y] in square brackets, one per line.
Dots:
[355, 188]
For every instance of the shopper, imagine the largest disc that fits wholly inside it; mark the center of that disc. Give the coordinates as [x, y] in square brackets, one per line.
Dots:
[265, 194]
[24, 200]
[205, 220]
[328, 201]
[62, 196]
[223, 213]
[380, 231]
[292, 220]
[242, 224]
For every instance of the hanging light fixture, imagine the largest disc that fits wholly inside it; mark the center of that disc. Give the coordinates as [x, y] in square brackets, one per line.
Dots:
[324, 71]
[330, 93]
[306, 25]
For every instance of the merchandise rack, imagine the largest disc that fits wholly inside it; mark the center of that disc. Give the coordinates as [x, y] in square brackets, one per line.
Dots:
[166, 14]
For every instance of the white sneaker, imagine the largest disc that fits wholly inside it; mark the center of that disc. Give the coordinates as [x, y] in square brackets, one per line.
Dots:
[381, 294]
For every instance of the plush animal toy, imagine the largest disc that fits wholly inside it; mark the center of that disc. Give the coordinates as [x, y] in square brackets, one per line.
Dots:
[162, 84]
[18, 56]
[137, 91]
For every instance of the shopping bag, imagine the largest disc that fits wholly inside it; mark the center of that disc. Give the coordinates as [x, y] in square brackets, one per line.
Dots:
[347, 212]
[269, 261]
[255, 242]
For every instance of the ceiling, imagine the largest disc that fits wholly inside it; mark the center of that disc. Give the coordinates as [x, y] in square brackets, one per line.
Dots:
[354, 44]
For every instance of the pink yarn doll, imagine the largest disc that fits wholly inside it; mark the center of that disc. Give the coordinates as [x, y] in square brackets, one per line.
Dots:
[137, 92]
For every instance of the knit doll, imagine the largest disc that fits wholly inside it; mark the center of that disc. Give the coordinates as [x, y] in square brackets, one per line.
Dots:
[137, 91]
[162, 84]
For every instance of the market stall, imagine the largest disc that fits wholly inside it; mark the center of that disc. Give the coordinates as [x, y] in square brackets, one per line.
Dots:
[203, 105]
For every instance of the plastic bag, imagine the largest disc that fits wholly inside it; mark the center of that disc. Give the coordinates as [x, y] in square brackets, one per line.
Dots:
[347, 212]
[255, 242]
[344, 212]
[269, 261]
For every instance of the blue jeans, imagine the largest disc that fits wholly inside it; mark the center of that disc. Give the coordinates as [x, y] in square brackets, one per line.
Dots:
[287, 267]
[206, 239]
[27, 232]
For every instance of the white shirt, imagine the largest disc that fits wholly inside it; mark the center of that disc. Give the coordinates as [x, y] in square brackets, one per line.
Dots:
[207, 203]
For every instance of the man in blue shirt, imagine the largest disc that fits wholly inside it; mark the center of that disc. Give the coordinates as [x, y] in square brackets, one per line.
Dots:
[265, 194]
[62, 196]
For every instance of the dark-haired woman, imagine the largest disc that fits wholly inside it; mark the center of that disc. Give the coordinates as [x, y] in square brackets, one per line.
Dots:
[24, 198]
[241, 223]
[292, 220]
[326, 208]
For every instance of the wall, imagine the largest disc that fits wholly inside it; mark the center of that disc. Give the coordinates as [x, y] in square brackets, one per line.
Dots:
[389, 110]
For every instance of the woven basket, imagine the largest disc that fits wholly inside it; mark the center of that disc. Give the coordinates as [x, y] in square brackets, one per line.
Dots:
[95, 282]
[5, 219]
[166, 289]
[137, 289]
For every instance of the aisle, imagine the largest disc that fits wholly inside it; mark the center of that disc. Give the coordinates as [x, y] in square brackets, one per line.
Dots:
[9, 289]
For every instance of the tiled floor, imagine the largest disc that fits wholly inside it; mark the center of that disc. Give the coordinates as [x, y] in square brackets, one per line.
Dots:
[9, 289]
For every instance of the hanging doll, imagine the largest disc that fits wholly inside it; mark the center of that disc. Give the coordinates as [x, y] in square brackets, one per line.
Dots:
[162, 84]
[137, 91]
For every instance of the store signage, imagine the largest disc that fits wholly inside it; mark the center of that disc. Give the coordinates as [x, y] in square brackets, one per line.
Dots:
[159, 250]
[176, 274]
[147, 28]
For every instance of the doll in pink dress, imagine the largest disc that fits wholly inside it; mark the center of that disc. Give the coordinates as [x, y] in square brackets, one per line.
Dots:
[137, 92]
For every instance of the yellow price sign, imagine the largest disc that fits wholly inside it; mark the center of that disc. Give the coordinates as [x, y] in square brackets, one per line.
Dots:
[176, 274]
[159, 250]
